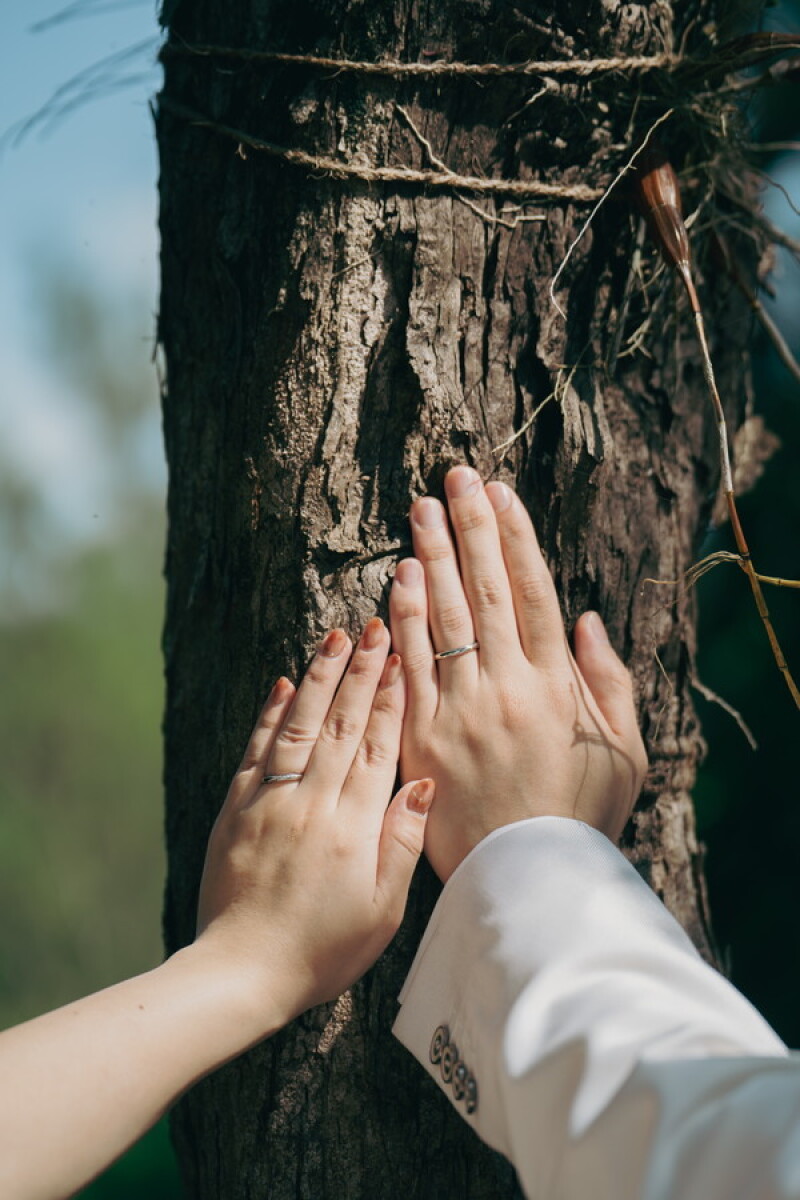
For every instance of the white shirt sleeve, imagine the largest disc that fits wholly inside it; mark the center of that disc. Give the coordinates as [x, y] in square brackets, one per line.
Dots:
[570, 1020]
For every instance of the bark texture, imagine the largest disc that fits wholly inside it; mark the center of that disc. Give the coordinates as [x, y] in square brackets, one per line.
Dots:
[331, 349]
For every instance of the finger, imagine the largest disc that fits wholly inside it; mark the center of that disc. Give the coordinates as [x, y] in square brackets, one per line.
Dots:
[373, 772]
[298, 733]
[267, 725]
[483, 570]
[606, 676]
[541, 628]
[408, 618]
[449, 613]
[253, 765]
[400, 846]
[345, 723]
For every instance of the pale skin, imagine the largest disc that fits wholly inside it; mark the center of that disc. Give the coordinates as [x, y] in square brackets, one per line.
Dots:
[305, 882]
[521, 727]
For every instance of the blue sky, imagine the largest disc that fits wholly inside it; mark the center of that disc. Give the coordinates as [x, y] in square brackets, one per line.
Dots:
[83, 195]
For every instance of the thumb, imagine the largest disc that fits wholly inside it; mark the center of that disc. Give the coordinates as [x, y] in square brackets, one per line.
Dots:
[401, 844]
[605, 674]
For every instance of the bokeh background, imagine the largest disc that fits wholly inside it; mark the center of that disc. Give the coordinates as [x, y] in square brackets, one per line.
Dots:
[81, 533]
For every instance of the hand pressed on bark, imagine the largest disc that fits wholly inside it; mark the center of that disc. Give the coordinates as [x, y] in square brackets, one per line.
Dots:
[520, 727]
[306, 881]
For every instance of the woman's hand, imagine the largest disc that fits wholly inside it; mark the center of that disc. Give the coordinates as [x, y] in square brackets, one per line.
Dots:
[304, 885]
[518, 728]
[305, 881]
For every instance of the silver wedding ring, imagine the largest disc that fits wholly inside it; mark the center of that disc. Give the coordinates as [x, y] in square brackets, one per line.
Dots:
[288, 777]
[458, 651]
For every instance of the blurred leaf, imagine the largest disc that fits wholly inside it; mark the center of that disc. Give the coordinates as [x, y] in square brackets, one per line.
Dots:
[147, 1170]
[81, 857]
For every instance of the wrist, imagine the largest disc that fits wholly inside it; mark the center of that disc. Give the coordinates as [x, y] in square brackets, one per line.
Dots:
[240, 1000]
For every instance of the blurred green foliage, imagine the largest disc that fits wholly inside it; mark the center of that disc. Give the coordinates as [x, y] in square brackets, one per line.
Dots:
[80, 828]
[81, 846]
[148, 1171]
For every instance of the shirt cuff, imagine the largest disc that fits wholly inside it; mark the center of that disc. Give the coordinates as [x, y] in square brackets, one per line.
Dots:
[546, 939]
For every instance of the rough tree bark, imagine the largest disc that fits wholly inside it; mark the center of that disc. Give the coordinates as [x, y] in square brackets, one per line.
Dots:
[332, 346]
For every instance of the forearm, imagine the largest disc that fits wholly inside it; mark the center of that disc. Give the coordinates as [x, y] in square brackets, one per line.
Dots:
[79, 1085]
[558, 974]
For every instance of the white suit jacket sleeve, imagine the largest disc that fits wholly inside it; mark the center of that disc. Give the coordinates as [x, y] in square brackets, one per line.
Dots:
[571, 1022]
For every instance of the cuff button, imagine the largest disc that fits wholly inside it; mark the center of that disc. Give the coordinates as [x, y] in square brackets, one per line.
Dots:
[471, 1094]
[440, 1039]
[449, 1060]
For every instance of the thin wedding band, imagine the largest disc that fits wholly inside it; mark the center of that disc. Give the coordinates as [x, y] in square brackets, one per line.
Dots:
[459, 650]
[288, 777]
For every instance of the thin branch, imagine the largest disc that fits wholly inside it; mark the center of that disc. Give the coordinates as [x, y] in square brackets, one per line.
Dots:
[771, 147]
[714, 698]
[659, 193]
[100, 78]
[629, 165]
[435, 161]
[83, 8]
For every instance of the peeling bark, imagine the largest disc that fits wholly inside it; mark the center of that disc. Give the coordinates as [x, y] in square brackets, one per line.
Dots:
[331, 349]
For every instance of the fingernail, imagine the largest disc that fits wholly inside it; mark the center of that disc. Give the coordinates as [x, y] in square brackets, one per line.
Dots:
[596, 628]
[372, 636]
[428, 513]
[499, 496]
[409, 572]
[462, 481]
[392, 670]
[280, 691]
[420, 797]
[333, 643]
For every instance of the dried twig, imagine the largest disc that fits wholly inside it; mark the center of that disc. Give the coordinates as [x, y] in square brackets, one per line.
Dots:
[558, 393]
[715, 698]
[633, 271]
[509, 442]
[771, 147]
[704, 565]
[771, 329]
[435, 161]
[659, 193]
[629, 166]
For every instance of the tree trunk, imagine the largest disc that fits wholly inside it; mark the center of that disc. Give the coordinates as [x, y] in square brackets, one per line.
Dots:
[332, 346]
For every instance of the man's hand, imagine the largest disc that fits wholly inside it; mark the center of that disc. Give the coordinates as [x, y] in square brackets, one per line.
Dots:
[518, 728]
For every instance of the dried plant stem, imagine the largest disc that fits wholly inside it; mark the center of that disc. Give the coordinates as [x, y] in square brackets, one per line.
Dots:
[558, 393]
[773, 333]
[776, 581]
[629, 166]
[701, 568]
[635, 268]
[768, 325]
[727, 485]
[509, 442]
[438, 164]
[714, 698]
